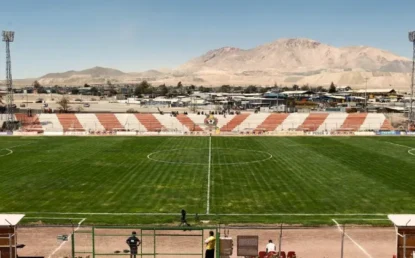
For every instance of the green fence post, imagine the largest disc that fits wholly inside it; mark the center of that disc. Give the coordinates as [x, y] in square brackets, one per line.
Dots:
[73, 244]
[93, 242]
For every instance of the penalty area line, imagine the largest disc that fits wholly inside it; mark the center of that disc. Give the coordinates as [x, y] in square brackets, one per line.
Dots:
[351, 239]
[64, 242]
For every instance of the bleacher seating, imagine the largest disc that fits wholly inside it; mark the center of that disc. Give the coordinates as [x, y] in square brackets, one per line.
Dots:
[244, 122]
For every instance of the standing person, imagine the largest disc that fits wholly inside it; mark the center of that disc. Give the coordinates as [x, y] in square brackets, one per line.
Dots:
[210, 245]
[270, 247]
[133, 242]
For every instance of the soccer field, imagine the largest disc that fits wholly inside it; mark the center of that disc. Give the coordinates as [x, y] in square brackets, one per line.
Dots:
[135, 180]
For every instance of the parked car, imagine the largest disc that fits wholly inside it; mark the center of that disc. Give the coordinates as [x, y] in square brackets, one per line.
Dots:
[22, 105]
[87, 105]
[39, 101]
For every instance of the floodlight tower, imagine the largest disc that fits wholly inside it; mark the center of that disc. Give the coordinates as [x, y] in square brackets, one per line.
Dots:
[8, 36]
[412, 39]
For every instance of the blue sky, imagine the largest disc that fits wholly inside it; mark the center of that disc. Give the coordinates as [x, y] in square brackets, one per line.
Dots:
[61, 35]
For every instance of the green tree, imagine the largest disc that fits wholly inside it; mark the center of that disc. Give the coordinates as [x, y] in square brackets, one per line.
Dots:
[162, 90]
[75, 91]
[94, 91]
[64, 104]
[332, 88]
[36, 85]
[251, 89]
[225, 88]
[305, 87]
[296, 87]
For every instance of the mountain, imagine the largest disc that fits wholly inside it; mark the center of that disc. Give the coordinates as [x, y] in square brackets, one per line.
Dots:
[93, 75]
[297, 55]
[284, 61]
[301, 61]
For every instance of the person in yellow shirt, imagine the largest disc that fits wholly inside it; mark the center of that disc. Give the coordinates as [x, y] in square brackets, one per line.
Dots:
[210, 245]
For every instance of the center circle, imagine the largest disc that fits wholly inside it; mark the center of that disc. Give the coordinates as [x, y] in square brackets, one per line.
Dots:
[5, 152]
[216, 156]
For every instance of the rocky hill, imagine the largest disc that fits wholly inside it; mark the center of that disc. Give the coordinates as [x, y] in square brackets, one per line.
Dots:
[285, 62]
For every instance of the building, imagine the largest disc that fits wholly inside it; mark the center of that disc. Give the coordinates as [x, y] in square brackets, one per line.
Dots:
[8, 234]
[373, 93]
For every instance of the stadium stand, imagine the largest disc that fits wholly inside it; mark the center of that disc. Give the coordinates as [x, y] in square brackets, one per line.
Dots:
[333, 122]
[150, 122]
[252, 121]
[313, 122]
[293, 121]
[234, 122]
[29, 123]
[50, 122]
[130, 122]
[373, 122]
[189, 124]
[386, 126]
[353, 122]
[70, 122]
[110, 122]
[173, 123]
[90, 122]
[272, 122]
[318, 122]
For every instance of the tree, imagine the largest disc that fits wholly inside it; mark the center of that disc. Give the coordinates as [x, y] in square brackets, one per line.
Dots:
[264, 89]
[305, 87]
[162, 90]
[36, 85]
[94, 91]
[143, 88]
[111, 88]
[86, 85]
[251, 89]
[64, 105]
[225, 88]
[75, 91]
[332, 88]
[296, 87]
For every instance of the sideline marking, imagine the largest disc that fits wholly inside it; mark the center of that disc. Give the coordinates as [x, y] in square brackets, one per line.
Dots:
[64, 242]
[204, 164]
[208, 184]
[351, 239]
[218, 214]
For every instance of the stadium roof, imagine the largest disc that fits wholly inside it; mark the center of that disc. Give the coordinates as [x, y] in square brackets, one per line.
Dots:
[292, 92]
[402, 220]
[10, 219]
[374, 91]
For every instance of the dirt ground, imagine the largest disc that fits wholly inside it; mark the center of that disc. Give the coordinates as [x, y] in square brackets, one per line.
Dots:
[324, 242]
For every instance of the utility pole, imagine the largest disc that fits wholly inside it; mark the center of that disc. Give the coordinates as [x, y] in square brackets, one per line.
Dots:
[412, 39]
[8, 36]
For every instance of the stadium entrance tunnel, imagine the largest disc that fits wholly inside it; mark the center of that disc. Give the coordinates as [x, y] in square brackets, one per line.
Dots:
[214, 156]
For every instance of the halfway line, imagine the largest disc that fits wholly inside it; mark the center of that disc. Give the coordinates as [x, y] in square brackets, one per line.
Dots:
[208, 184]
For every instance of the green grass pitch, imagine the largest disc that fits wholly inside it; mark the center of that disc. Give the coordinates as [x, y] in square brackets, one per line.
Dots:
[136, 180]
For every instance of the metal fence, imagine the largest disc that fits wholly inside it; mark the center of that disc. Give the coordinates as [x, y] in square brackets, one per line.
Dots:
[345, 241]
